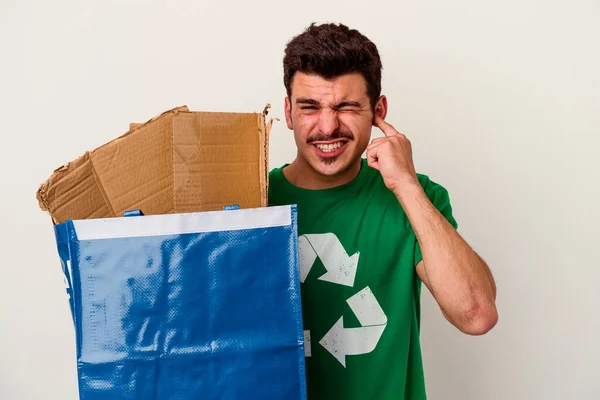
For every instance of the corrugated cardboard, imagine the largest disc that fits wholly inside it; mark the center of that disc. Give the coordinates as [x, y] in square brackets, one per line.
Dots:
[179, 161]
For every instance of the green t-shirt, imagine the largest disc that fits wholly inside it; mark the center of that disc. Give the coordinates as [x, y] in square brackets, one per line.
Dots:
[360, 291]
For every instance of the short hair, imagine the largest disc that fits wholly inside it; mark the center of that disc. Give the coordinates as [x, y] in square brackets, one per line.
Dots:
[331, 50]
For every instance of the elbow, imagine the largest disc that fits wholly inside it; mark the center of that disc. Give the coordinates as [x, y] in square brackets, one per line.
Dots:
[479, 320]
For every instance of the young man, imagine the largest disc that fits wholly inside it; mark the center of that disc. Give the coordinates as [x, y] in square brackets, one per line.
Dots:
[371, 230]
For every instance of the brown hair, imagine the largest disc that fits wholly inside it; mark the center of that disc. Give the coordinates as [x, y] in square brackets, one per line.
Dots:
[331, 50]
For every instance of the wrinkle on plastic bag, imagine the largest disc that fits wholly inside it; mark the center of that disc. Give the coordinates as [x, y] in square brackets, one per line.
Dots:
[186, 306]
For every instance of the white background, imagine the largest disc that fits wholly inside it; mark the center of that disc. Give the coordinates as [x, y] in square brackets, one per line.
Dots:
[500, 99]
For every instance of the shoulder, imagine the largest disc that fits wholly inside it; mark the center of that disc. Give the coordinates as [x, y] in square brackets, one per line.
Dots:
[429, 186]
[277, 171]
[276, 186]
[276, 175]
[439, 197]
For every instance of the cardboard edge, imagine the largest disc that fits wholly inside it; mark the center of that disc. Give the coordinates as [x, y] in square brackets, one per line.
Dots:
[42, 192]
[174, 206]
[269, 126]
[134, 126]
[43, 200]
[265, 129]
[41, 196]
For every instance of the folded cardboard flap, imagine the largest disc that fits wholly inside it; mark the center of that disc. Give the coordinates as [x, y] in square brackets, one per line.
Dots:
[178, 161]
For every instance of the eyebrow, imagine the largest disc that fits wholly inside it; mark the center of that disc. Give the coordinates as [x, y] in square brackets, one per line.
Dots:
[303, 100]
[347, 104]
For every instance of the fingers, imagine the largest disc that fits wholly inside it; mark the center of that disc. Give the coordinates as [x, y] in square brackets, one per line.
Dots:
[372, 160]
[396, 138]
[387, 129]
[379, 139]
[376, 142]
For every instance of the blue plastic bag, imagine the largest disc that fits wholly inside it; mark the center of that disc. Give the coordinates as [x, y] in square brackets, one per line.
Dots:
[186, 306]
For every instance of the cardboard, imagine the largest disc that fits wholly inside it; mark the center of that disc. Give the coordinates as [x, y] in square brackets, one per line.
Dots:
[179, 161]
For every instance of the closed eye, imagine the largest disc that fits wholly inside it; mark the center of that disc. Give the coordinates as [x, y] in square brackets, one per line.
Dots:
[347, 106]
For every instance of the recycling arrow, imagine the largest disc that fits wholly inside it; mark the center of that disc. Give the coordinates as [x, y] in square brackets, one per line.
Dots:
[342, 342]
[341, 268]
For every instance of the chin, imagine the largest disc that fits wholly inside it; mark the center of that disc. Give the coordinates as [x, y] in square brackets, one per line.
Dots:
[331, 166]
[332, 159]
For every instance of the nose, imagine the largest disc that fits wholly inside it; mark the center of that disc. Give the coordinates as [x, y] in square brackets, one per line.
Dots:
[328, 122]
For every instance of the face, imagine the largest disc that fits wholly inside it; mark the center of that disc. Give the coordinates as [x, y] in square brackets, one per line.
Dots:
[331, 120]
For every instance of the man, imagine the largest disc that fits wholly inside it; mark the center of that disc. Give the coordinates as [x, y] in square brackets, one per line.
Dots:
[371, 230]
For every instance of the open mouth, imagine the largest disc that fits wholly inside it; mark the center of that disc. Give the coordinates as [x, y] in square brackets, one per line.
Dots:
[330, 149]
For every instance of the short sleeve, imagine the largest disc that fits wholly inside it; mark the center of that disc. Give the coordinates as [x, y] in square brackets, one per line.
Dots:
[439, 197]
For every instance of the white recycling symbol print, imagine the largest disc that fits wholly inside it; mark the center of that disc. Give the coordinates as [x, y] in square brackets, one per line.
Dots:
[341, 269]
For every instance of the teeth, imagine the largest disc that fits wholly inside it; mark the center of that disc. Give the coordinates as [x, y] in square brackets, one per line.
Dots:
[326, 148]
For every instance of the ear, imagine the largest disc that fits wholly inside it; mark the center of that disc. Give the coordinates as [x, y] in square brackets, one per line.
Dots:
[381, 108]
[288, 113]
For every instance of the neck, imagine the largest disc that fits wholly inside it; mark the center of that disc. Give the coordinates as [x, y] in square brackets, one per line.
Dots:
[301, 174]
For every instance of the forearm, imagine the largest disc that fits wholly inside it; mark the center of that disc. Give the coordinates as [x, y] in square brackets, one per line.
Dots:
[458, 278]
